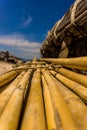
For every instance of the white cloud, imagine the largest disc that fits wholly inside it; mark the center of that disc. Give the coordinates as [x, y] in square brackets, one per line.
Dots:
[23, 48]
[27, 22]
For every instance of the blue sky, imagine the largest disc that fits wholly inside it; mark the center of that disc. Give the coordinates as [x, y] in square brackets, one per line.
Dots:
[24, 24]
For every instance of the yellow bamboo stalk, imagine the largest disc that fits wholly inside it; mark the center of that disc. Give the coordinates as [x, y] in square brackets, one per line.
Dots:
[75, 105]
[76, 67]
[3, 88]
[51, 123]
[79, 78]
[79, 61]
[10, 116]
[6, 94]
[34, 113]
[80, 90]
[22, 66]
[63, 116]
[8, 76]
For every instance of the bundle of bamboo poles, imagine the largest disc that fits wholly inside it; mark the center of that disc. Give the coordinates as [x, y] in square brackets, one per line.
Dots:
[70, 30]
[79, 63]
[43, 97]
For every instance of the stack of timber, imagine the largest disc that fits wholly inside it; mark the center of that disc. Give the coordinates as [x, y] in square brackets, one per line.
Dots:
[44, 95]
[68, 37]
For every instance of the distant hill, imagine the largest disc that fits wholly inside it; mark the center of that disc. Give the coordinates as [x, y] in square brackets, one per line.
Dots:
[7, 57]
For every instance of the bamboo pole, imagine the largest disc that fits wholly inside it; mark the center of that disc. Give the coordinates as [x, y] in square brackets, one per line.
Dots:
[8, 76]
[80, 90]
[34, 113]
[79, 78]
[3, 88]
[23, 66]
[76, 67]
[51, 123]
[10, 116]
[78, 62]
[6, 94]
[75, 105]
[62, 114]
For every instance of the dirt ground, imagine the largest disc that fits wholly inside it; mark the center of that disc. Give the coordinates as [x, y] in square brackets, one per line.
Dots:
[4, 67]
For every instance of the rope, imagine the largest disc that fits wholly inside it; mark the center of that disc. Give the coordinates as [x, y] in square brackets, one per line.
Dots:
[48, 34]
[73, 19]
[46, 42]
[56, 28]
[64, 50]
[74, 10]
